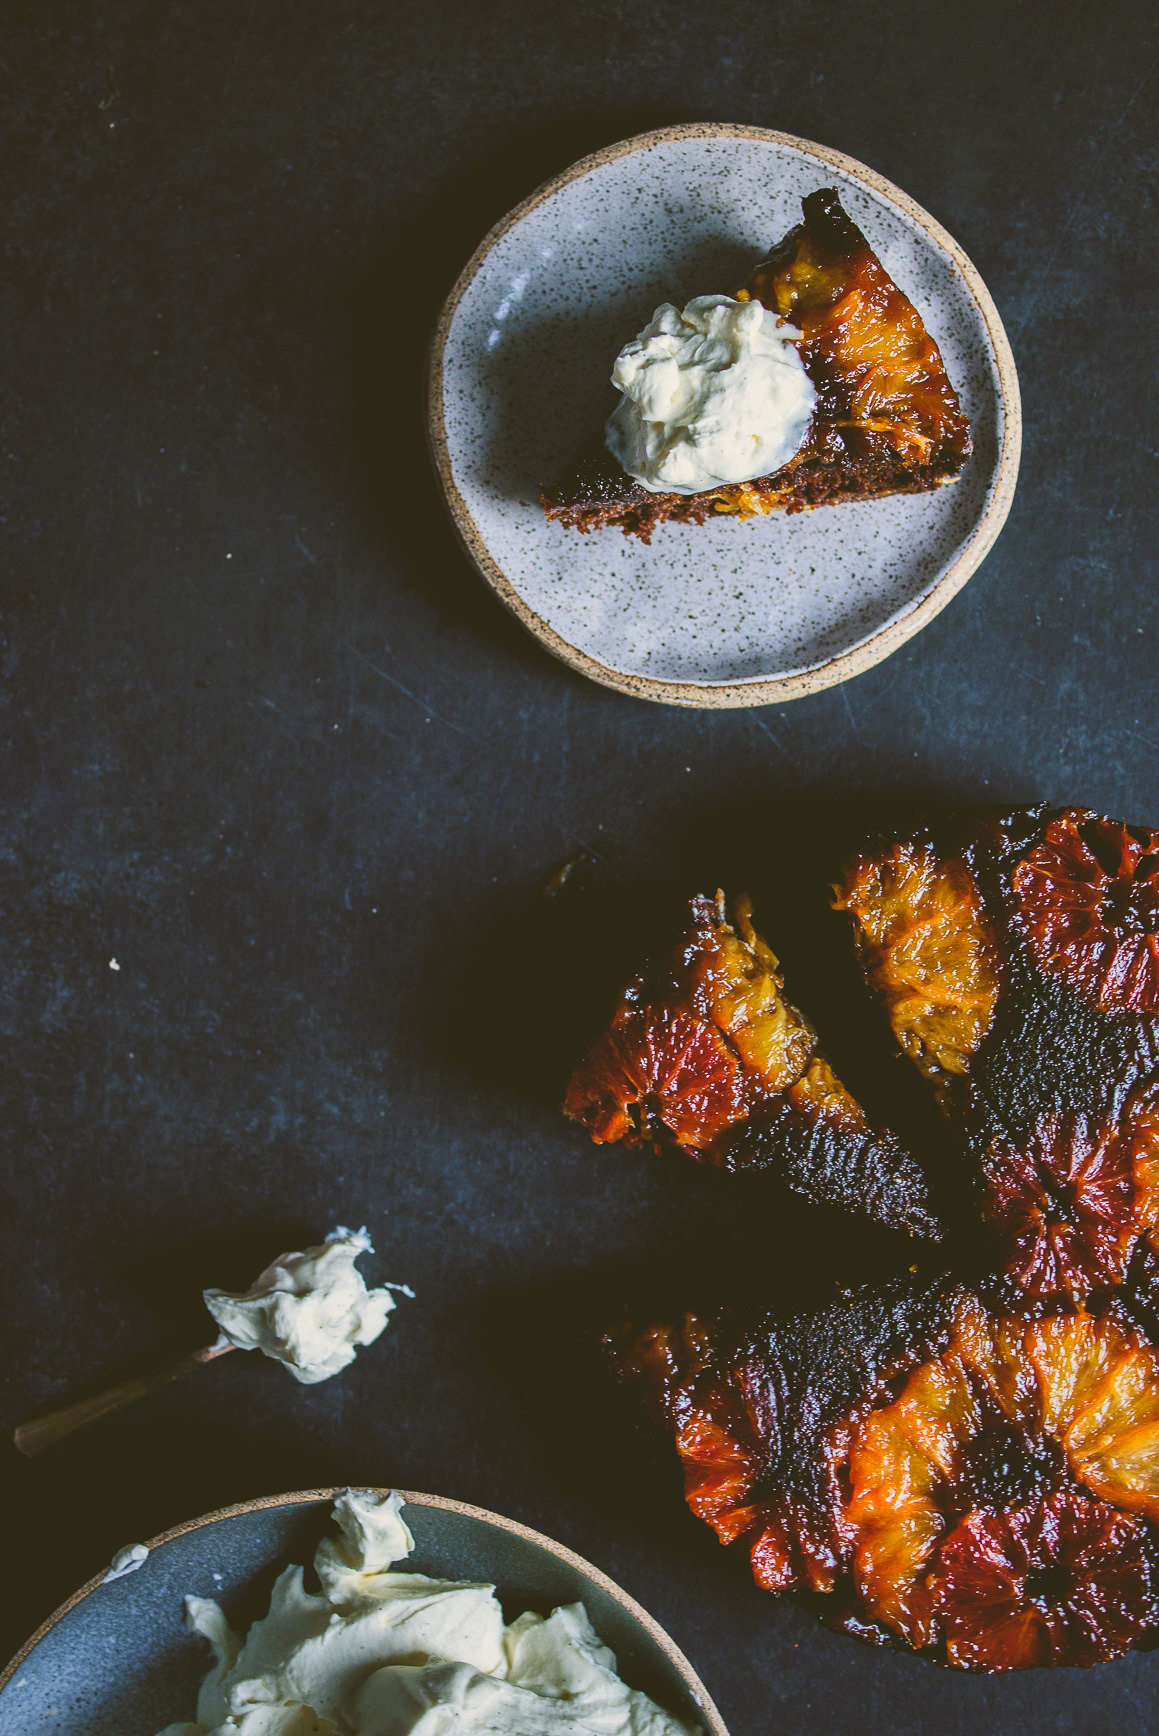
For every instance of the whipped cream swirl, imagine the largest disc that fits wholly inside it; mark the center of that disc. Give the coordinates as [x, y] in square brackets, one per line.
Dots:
[714, 395]
[383, 1653]
[310, 1311]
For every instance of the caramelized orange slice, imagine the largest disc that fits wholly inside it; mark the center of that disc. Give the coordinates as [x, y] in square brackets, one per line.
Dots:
[1070, 1201]
[1060, 1580]
[738, 984]
[902, 1456]
[929, 951]
[991, 1347]
[1088, 904]
[658, 1068]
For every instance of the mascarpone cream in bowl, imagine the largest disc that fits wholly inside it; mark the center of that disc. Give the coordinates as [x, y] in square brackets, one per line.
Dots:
[120, 1659]
[381, 1652]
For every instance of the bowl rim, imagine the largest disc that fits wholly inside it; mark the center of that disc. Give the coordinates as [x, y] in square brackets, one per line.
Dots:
[764, 690]
[714, 1723]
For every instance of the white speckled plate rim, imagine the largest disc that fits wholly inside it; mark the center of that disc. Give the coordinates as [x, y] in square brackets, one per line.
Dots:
[715, 1724]
[877, 645]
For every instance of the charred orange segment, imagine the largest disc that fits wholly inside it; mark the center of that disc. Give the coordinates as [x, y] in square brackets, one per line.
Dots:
[888, 1474]
[980, 1592]
[1070, 1201]
[929, 951]
[897, 1524]
[1072, 1355]
[1060, 1580]
[737, 983]
[991, 1348]
[658, 1069]
[790, 1552]
[938, 1410]
[1088, 905]
[902, 1457]
[1144, 1135]
[809, 282]
[773, 1556]
[719, 1467]
[707, 1414]
[1112, 1442]
[888, 1565]
[820, 1096]
[1126, 1472]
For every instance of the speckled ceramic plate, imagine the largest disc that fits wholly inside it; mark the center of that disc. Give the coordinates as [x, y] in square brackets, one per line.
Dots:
[726, 613]
[116, 1659]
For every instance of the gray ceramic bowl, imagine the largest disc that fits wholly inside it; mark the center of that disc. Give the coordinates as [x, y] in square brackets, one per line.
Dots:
[727, 613]
[116, 1659]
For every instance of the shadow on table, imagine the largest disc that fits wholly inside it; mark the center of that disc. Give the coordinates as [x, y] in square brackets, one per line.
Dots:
[551, 968]
[550, 971]
[767, 1253]
[391, 316]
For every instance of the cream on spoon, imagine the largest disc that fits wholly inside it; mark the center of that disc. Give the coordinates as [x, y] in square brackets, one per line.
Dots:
[310, 1310]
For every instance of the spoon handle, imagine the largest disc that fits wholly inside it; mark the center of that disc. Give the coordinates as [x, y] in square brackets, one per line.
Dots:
[44, 1431]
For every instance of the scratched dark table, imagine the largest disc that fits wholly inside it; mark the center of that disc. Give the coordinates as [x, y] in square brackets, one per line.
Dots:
[283, 782]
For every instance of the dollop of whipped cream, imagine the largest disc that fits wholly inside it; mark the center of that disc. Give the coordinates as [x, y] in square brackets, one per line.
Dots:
[386, 1653]
[310, 1310]
[127, 1560]
[713, 395]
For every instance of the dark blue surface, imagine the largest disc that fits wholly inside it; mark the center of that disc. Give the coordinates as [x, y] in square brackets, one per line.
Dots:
[273, 747]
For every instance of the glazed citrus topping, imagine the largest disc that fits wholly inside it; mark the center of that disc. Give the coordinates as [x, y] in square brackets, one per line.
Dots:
[864, 340]
[962, 1490]
[1071, 1200]
[737, 980]
[1088, 905]
[902, 1456]
[820, 1096]
[706, 1052]
[969, 1472]
[1058, 1580]
[929, 951]
[659, 1070]
[707, 1413]
[722, 1039]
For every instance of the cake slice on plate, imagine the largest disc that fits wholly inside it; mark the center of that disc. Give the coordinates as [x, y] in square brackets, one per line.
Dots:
[834, 391]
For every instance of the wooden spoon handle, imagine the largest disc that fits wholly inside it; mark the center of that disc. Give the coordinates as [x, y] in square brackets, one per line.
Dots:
[44, 1431]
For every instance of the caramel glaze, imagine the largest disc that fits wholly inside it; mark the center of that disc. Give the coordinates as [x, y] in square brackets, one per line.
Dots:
[887, 419]
[1017, 956]
[930, 1474]
[966, 1466]
[705, 1054]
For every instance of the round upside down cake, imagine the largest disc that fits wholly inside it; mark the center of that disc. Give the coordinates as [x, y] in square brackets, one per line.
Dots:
[967, 1465]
